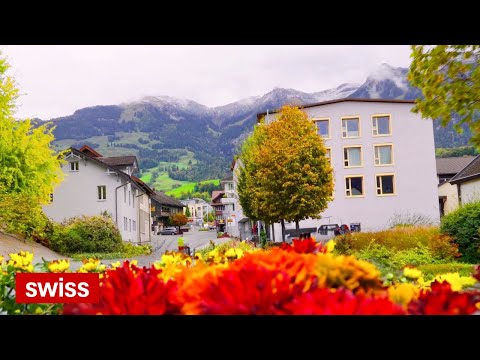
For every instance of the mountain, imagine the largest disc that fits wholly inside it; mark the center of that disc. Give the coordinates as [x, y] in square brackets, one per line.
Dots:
[186, 141]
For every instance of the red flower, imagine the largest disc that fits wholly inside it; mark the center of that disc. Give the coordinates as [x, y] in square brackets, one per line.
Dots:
[305, 246]
[441, 300]
[129, 290]
[341, 302]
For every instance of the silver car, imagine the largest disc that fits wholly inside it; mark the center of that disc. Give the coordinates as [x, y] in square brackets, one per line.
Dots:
[169, 231]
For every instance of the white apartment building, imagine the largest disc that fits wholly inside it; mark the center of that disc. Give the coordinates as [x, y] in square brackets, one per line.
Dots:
[94, 184]
[383, 157]
[198, 209]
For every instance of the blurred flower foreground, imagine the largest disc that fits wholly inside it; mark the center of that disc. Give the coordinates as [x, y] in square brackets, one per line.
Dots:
[305, 278]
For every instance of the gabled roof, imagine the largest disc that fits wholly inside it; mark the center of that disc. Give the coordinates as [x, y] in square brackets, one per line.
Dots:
[228, 178]
[452, 165]
[469, 172]
[217, 194]
[119, 161]
[260, 115]
[90, 151]
[164, 199]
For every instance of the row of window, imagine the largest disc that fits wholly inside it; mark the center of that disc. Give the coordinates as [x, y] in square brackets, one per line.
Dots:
[130, 197]
[353, 155]
[381, 126]
[129, 224]
[355, 185]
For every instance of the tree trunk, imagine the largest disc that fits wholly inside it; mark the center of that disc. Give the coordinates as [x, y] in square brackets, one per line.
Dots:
[283, 230]
[273, 232]
[297, 227]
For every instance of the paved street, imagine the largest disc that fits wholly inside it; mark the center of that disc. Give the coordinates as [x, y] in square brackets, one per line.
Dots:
[195, 239]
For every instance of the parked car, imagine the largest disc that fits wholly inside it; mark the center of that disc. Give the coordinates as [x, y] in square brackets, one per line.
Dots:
[169, 231]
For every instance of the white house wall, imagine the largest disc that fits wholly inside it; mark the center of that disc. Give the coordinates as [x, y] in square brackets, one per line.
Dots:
[78, 195]
[450, 191]
[414, 166]
[470, 191]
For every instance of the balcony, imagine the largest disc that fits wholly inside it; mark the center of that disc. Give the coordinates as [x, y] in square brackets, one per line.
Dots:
[227, 200]
[218, 212]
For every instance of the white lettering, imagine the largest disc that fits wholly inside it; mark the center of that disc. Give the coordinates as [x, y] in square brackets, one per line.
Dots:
[31, 291]
[83, 289]
[70, 289]
[52, 290]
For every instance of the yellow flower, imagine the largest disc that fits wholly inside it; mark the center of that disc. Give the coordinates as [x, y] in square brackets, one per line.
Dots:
[1, 259]
[59, 266]
[21, 261]
[330, 245]
[134, 262]
[91, 265]
[38, 310]
[412, 273]
[115, 264]
[235, 253]
[402, 294]
[458, 282]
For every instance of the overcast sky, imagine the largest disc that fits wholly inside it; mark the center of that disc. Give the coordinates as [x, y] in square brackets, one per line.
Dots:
[57, 80]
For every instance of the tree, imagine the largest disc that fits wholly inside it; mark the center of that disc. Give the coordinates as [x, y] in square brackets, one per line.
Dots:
[28, 164]
[29, 167]
[209, 217]
[187, 212]
[285, 174]
[178, 220]
[449, 78]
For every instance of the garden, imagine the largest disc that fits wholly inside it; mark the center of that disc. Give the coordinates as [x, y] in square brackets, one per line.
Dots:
[305, 278]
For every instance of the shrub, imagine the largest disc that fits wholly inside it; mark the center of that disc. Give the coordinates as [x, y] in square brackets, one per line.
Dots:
[431, 270]
[420, 255]
[87, 234]
[464, 225]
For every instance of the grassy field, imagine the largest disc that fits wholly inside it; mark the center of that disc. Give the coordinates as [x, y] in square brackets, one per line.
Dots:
[188, 187]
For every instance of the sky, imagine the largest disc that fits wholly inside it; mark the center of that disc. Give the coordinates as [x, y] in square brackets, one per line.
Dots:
[56, 80]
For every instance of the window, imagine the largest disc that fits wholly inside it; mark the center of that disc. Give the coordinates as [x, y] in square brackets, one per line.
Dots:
[74, 166]
[381, 125]
[350, 127]
[125, 195]
[383, 154]
[328, 155]
[129, 196]
[385, 184]
[129, 224]
[323, 127]
[134, 223]
[354, 186]
[124, 223]
[352, 156]
[133, 199]
[102, 192]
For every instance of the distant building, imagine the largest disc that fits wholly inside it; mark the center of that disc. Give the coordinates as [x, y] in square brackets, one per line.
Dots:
[467, 183]
[95, 184]
[198, 209]
[447, 168]
[164, 206]
[383, 157]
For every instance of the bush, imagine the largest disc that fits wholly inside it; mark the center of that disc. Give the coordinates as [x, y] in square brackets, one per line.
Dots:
[409, 219]
[87, 234]
[441, 246]
[464, 225]
[128, 250]
[431, 270]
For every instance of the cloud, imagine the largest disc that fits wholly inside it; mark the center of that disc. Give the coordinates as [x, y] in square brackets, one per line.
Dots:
[57, 80]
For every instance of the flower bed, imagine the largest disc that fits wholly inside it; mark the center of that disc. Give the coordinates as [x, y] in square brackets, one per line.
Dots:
[303, 278]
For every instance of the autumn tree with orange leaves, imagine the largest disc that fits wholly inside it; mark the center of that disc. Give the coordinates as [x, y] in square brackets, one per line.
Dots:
[285, 174]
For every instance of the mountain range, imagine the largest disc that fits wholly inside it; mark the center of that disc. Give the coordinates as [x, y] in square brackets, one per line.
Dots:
[162, 129]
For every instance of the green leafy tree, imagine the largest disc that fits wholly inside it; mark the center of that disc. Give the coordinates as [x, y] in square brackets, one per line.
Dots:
[285, 174]
[209, 217]
[187, 212]
[449, 78]
[29, 167]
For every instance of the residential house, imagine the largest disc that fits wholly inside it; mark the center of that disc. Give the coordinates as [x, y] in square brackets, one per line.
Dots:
[198, 209]
[447, 168]
[467, 182]
[164, 206]
[218, 207]
[95, 184]
[383, 157]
